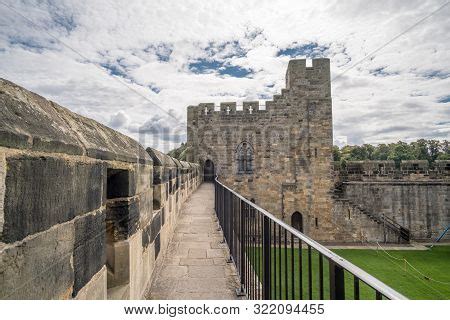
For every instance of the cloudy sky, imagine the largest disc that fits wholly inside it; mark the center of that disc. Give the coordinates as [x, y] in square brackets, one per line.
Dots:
[135, 65]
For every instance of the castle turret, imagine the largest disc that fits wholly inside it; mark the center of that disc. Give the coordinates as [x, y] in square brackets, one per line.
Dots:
[316, 78]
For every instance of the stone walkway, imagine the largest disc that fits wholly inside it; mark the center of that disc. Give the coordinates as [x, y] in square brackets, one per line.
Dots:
[195, 266]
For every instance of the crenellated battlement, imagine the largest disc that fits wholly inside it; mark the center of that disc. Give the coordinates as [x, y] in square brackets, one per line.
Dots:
[230, 108]
[311, 83]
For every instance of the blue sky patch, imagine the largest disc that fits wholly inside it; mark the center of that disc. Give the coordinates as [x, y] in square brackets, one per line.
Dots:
[234, 71]
[205, 66]
[310, 50]
[66, 22]
[28, 43]
[154, 88]
[444, 99]
[381, 72]
[217, 49]
[162, 51]
[436, 74]
[114, 70]
[264, 96]
[202, 66]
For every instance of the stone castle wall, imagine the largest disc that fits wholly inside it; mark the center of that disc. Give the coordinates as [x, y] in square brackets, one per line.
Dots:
[79, 210]
[413, 195]
[291, 142]
[421, 206]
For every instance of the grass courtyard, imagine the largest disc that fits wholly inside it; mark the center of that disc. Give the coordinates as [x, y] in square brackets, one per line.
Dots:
[434, 264]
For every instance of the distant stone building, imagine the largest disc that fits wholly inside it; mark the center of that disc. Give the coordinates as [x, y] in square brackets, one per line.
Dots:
[280, 154]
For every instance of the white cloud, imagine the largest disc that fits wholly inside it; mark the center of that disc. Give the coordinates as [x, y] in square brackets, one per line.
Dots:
[149, 45]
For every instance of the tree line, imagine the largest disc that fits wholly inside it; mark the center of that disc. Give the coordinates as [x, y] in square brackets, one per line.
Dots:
[421, 149]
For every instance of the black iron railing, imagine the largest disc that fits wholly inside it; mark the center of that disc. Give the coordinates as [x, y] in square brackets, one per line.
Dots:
[275, 261]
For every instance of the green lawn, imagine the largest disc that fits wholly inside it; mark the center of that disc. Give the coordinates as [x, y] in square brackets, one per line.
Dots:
[433, 263]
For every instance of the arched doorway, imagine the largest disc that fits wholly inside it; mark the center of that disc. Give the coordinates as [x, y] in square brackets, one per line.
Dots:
[208, 171]
[297, 221]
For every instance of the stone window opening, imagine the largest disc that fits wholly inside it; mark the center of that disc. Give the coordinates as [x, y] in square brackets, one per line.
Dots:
[244, 157]
[117, 183]
[317, 222]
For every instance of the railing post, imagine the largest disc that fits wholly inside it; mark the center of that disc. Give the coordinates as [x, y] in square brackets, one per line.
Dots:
[337, 285]
[242, 249]
[266, 259]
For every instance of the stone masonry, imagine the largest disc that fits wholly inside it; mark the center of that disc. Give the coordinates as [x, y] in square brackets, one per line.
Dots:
[85, 212]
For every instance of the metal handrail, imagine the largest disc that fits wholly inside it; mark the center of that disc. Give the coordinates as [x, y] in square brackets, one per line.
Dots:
[370, 280]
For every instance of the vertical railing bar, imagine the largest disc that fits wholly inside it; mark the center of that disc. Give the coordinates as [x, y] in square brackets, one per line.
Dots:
[259, 255]
[231, 244]
[300, 264]
[241, 246]
[279, 261]
[267, 294]
[292, 268]
[309, 273]
[254, 253]
[245, 247]
[275, 260]
[249, 253]
[355, 288]
[337, 282]
[320, 276]
[247, 257]
[247, 243]
[286, 289]
[378, 295]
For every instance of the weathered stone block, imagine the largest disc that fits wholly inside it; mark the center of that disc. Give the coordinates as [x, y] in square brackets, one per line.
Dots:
[43, 191]
[90, 248]
[39, 267]
[157, 246]
[145, 207]
[96, 288]
[155, 226]
[122, 219]
[146, 235]
[118, 263]
[143, 174]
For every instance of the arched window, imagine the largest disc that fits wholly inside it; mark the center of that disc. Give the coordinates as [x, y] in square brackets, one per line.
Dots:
[244, 157]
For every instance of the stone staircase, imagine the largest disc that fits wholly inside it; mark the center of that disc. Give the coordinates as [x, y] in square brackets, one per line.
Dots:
[402, 232]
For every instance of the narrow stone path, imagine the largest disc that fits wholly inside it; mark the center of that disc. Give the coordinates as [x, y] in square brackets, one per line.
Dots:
[195, 266]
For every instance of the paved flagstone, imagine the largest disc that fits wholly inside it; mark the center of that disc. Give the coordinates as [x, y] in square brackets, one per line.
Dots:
[195, 266]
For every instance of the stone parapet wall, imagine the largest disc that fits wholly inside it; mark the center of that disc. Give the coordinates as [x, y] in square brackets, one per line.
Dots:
[77, 204]
[408, 170]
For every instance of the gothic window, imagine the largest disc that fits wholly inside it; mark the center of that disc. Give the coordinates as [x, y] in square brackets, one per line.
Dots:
[244, 157]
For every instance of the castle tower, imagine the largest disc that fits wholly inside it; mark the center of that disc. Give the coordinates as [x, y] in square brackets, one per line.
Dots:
[279, 154]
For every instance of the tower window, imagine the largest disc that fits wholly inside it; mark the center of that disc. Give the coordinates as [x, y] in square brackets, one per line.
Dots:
[244, 157]
[317, 222]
